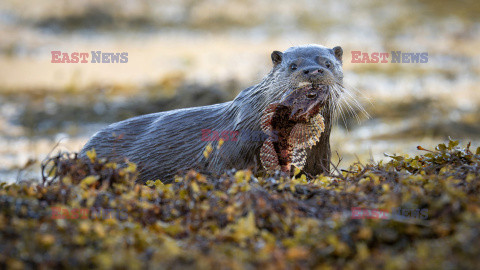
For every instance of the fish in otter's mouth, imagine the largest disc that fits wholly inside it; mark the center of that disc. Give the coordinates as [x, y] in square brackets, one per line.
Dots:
[294, 124]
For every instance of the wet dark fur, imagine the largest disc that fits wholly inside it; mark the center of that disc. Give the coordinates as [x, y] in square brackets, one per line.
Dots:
[165, 143]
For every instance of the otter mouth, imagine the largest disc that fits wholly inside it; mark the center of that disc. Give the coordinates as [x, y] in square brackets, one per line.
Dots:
[305, 102]
[293, 126]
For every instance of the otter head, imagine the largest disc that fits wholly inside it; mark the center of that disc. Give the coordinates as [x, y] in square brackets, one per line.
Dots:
[307, 79]
[310, 75]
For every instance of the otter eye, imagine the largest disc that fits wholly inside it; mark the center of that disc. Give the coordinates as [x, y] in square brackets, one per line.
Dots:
[293, 67]
[311, 95]
[328, 64]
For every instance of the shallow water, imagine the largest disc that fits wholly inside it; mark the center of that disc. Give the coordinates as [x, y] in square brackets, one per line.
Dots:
[186, 54]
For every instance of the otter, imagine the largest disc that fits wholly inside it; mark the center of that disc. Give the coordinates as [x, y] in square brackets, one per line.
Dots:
[166, 143]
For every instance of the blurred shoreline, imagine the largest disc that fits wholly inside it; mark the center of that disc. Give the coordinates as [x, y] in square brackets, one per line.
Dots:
[191, 53]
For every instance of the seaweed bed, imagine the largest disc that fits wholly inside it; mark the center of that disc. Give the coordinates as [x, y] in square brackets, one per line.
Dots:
[94, 215]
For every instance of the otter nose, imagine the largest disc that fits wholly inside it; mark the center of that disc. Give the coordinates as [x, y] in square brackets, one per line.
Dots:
[313, 70]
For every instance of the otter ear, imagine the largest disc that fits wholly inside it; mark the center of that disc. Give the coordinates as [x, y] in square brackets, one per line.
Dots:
[277, 58]
[338, 52]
